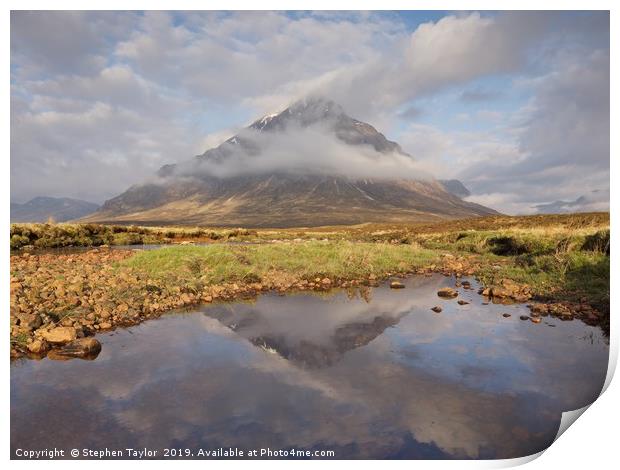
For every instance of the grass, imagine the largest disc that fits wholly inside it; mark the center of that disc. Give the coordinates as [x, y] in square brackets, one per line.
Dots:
[559, 263]
[342, 260]
[63, 235]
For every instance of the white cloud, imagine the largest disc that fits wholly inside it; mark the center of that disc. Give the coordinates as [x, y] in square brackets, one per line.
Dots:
[314, 149]
[116, 95]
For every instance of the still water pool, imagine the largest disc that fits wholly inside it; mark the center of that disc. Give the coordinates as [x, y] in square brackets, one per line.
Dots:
[372, 374]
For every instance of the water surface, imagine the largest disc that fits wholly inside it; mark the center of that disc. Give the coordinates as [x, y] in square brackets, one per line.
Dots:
[377, 375]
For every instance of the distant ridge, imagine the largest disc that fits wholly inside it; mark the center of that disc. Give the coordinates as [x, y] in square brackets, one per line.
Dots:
[59, 209]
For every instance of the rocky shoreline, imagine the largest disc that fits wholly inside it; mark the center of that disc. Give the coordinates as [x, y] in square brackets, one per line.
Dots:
[59, 301]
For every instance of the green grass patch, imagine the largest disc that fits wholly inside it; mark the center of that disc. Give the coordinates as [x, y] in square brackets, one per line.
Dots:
[307, 260]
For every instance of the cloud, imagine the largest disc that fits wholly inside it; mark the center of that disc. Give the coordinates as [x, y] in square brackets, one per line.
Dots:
[313, 149]
[65, 42]
[118, 94]
[411, 113]
[563, 145]
[479, 95]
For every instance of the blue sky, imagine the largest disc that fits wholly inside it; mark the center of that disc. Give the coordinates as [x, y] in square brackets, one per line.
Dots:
[514, 104]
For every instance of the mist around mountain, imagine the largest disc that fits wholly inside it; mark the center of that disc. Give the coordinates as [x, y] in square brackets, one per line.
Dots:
[310, 164]
[58, 209]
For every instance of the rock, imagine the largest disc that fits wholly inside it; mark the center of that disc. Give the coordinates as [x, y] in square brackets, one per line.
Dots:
[506, 315]
[524, 317]
[499, 292]
[105, 325]
[463, 302]
[83, 347]
[447, 292]
[326, 281]
[535, 319]
[538, 308]
[436, 309]
[397, 285]
[486, 292]
[38, 346]
[60, 335]
[29, 321]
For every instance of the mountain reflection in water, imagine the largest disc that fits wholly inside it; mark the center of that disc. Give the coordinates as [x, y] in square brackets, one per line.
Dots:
[383, 377]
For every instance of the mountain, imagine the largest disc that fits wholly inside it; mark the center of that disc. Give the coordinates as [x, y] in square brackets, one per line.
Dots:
[59, 209]
[455, 187]
[308, 165]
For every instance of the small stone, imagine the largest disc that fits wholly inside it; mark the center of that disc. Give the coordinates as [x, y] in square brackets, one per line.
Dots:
[462, 302]
[436, 309]
[326, 281]
[506, 315]
[38, 346]
[397, 285]
[524, 317]
[535, 319]
[105, 325]
[447, 292]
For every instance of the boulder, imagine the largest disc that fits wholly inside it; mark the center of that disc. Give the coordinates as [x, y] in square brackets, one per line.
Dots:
[500, 292]
[447, 292]
[60, 335]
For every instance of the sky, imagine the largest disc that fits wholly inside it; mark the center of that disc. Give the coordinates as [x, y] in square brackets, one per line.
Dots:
[513, 104]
